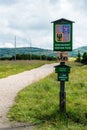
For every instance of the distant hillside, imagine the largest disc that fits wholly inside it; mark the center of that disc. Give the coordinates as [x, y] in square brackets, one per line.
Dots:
[8, 52]
[74, 53]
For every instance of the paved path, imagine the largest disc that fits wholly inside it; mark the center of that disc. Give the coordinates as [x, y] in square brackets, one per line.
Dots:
[10, 86]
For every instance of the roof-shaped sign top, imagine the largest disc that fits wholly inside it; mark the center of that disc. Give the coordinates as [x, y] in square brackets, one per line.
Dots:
[62, 20]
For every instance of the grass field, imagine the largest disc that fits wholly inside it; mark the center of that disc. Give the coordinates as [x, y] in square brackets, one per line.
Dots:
[11, 67]
[39, 102]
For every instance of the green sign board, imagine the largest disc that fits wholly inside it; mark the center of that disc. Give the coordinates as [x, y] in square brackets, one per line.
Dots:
[62, 35]
[63, 72]
[62, 69]
[63, 77]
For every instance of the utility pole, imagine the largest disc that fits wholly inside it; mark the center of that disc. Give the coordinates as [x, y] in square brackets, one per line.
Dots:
[30, 50]
[15, 49]
[40, 57]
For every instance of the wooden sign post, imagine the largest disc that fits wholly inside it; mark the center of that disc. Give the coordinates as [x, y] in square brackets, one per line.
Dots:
[62, 43]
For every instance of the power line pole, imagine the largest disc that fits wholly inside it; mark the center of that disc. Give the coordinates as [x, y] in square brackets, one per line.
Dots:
[15, 49]
[30, 50]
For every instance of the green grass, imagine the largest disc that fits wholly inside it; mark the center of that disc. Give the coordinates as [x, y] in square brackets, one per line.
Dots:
[11, 67]
[39, 102]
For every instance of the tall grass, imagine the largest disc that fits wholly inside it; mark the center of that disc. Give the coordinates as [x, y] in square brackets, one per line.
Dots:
[39, 103]
[11, 67]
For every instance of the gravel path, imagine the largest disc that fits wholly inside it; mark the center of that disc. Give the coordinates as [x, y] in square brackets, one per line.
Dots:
[10, 86]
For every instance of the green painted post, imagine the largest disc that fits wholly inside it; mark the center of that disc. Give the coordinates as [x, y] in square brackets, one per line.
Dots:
[63, 71]
[62, 97]
[62, 94]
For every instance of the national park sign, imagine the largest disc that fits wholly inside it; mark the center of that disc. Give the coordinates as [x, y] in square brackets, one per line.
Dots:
[62, 35]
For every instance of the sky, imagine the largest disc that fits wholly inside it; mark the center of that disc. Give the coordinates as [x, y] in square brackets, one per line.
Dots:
[29, 21]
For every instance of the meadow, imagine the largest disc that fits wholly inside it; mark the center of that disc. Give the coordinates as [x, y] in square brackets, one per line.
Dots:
[39, 103]
[8, 68]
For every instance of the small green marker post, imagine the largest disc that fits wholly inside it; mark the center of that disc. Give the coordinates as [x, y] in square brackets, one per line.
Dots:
[63, 71]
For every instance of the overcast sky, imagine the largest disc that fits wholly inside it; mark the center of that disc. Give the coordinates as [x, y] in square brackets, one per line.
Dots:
[30, 21]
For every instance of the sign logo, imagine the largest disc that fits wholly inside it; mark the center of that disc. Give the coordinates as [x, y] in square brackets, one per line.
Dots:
[62, 56]
[62, 33]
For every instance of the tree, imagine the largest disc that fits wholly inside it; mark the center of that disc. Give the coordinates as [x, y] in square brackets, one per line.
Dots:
[84, 58]
[78, 57]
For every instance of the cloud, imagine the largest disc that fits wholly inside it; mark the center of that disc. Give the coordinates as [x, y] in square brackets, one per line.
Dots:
[31, 20]
[80, 6]
[54, 1]
[7, 2]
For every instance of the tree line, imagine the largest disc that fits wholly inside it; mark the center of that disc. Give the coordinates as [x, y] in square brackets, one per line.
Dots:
[82, 58]
[29, 57]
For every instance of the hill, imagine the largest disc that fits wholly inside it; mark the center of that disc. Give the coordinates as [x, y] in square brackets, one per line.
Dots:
[8, 52]
[75, 51]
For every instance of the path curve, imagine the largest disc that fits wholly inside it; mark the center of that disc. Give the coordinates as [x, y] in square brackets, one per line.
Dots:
[10, 86]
